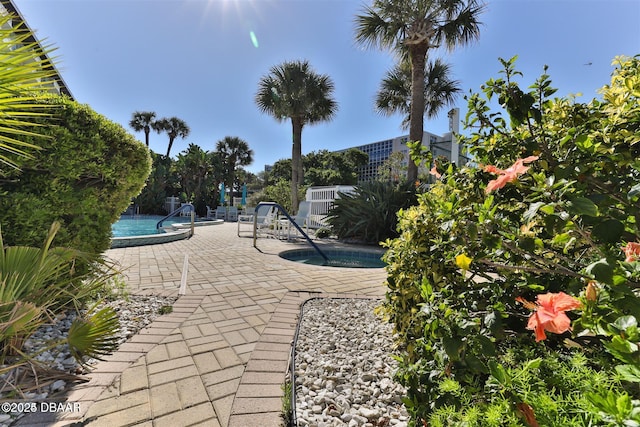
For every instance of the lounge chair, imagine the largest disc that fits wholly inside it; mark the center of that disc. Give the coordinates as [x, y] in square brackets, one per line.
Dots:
[187, 211]
[302, 219]
[266, 223]
[221, 213]
[232, 213]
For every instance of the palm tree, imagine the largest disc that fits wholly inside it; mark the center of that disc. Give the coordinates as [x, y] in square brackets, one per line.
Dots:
[293, 90]
[143, 120]
[174, 127]
[234, 152]
[413, 28]
[394, 95]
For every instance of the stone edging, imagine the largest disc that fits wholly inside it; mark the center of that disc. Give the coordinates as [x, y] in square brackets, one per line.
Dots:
[260, 393]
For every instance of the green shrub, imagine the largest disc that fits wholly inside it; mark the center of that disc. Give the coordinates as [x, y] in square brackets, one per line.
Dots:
[549, 212]
[323, 233]
[280, 192]
[369, 214]
[84, 177]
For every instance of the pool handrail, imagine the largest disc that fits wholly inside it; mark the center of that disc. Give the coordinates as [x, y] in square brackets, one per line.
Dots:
[174, 213]
[286, 214]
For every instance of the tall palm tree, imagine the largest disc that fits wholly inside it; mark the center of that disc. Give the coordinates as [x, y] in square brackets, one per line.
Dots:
[413, 28]
[293, 90]
[142, 121]
[394, 95]
[234, 152]
[174, 127]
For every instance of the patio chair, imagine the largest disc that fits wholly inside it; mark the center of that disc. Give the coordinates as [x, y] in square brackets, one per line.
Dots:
[211, 213]
[232, 213]
[185, 212]
[221, 213]
[302, 219]
[267, 222]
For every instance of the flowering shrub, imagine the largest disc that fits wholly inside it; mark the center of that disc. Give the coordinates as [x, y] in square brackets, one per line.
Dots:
[561, 231]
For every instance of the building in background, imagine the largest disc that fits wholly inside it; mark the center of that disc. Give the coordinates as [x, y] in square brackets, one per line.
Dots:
[440, 145]
[445, 145]
[18, 23]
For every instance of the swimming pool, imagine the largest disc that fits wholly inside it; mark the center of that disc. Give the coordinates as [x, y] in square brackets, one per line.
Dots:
[350, 258]
[143, 225]
[141, 230]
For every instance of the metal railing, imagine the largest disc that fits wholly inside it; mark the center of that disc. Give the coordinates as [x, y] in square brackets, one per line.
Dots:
[291, 220]
[174, 213]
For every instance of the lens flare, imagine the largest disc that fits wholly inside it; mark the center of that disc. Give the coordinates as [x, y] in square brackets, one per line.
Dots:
[254, 39]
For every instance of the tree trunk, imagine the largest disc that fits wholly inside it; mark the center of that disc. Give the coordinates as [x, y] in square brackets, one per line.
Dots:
[231, 176]
[416, 127]
[169, 146]
[296, 162]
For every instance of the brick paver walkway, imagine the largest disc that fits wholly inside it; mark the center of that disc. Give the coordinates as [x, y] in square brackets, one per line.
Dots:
[220, 358]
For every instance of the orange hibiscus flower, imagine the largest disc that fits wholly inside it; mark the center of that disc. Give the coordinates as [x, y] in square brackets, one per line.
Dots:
[632, 251]
[509, 175]
[549, 313]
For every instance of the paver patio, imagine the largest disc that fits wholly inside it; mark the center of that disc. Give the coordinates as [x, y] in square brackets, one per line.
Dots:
[221, 356]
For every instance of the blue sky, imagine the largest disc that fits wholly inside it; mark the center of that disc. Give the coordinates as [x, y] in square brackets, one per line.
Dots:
[195, 59]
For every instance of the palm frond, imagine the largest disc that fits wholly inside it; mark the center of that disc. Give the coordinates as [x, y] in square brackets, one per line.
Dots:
[461, 25]
[94, 335]
[374, 31]
[293, 89]
[394, 94]
[25, 77]
[23, 316]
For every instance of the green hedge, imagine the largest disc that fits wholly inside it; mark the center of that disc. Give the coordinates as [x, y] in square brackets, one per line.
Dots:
[88, 170]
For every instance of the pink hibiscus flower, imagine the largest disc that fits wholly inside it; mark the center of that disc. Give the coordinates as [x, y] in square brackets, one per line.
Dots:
[549, 313]
[509, 175]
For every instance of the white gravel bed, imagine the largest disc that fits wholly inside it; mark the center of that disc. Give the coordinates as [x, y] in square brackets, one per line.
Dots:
[343, 367]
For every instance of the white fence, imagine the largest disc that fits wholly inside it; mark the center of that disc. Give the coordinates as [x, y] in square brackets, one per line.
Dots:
[322, 199]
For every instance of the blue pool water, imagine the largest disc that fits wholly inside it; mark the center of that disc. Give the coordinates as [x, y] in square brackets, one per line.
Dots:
[141, 225]
[337, 258]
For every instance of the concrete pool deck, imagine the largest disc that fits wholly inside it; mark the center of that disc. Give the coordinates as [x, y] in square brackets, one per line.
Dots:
[221, 356]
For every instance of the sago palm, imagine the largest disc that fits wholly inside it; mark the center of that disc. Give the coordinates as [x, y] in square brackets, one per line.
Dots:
[234, 152]
[394, 95]
[142, 121]
[25, 74]
[174, 127]
[413, 28]
[292, 90]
